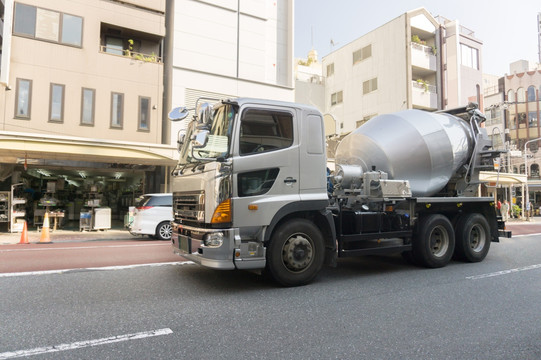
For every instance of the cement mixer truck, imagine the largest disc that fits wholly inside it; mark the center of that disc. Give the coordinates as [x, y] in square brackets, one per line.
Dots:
[253, 191]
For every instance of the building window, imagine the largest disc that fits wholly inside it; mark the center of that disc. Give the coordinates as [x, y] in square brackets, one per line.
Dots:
[531, 94]
[56, 103]
[330, 69]
[337, 98]
[117, 110]
[144, 113]
[511, 96]
[88, 103]
[25, 20]
[370, 85]
[364, 120]
[72, 30]
[470, 56]
[45, 24]
[532, 119]
[24, 99]
[114, 46]
[521, 95]
[362, 54]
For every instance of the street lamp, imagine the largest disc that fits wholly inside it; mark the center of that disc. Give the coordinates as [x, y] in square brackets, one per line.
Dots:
[526, 199]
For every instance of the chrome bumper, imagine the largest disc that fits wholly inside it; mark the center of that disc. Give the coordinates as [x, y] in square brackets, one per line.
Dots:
[232, 254]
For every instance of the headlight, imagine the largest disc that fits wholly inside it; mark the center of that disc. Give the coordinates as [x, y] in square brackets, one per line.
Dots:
[214, 240]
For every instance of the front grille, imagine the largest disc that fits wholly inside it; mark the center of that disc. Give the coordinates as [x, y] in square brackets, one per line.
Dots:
[189, 207]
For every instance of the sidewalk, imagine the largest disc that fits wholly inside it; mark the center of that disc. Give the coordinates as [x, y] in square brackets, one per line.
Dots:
[532, 220]
[70, 235]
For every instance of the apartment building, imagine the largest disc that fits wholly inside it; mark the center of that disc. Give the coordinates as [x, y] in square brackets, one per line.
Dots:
[82, 99]
[230, 48]
[414, 61]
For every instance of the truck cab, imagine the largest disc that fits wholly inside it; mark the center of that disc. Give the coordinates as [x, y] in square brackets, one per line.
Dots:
[245, 167]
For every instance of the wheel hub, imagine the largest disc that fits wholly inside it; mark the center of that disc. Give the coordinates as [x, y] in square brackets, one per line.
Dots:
[297, 253]
[439, 241]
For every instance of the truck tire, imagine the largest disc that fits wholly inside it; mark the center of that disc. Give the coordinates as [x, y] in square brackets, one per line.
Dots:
[472, 238]
[295, 253]
[164, 230]
[434, 241]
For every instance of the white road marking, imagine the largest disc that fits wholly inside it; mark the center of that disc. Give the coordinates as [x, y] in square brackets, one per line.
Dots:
[504, 272]
[82, 247]
[523, 235]
[103, 268]
[85, 343]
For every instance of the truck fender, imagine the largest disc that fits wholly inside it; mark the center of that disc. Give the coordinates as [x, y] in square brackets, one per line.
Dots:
[304, 209]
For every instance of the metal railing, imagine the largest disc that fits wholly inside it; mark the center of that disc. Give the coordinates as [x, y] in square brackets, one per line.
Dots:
[153, 58]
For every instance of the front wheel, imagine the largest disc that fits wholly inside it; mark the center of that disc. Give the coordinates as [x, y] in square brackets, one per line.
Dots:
[472, 238]
[434, 241]
[163, 231]
[295, 254]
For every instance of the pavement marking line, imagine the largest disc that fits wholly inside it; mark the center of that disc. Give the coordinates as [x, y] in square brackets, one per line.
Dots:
[85, 343]
[523, 235]
[504, 272]
[103, 268]
[83, 247]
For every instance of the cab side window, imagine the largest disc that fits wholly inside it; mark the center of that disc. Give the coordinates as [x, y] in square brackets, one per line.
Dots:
[264, 130]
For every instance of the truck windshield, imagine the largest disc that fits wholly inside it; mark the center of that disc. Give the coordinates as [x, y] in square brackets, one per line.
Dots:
[218, 139]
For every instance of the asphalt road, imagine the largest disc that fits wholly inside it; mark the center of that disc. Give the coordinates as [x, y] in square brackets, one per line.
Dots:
[367, 308]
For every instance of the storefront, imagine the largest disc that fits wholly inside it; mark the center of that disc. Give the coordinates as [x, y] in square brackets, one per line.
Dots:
[68, 177]
[506, 186]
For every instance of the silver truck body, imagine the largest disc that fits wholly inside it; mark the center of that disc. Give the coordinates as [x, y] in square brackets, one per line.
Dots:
[200, 189]
[251, 189]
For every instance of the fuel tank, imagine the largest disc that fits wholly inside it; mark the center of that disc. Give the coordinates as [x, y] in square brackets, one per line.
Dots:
[425, 148]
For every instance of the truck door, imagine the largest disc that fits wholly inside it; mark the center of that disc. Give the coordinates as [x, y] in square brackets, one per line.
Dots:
[265, 164]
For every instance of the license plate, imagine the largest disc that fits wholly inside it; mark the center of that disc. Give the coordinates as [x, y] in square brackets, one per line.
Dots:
[185, 244]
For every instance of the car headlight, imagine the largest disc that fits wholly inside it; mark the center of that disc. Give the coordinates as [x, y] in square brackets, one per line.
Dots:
[214, 240]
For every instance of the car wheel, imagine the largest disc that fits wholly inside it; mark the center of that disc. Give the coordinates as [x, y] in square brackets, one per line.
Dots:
[164, 230]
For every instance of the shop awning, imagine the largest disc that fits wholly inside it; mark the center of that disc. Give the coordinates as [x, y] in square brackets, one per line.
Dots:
[493, 177]
[14, 146]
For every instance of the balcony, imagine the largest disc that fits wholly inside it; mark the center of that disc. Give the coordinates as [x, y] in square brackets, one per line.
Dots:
[423, 57]
[424, 96]
[113, 50]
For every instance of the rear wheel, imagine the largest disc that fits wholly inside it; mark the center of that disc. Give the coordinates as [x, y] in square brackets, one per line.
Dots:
[296, 252]
[472, 238]
[164, 230]
[434, 241]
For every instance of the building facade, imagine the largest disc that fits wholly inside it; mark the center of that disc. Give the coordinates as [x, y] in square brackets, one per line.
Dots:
[230, 48]
[82, 100]
[413, 61]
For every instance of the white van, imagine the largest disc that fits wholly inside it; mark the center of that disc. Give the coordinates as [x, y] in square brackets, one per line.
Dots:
[153, 215]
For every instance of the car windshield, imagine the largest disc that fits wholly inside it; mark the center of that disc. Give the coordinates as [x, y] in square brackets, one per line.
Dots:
[218, 139]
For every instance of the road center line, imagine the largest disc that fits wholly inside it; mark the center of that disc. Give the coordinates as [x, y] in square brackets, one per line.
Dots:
[83, 247]
[85, 343]
[504, 272]
[103, 268]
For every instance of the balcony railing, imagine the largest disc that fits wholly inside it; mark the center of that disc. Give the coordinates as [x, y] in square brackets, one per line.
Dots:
[423, 56]
[424, 95]
[130, 54]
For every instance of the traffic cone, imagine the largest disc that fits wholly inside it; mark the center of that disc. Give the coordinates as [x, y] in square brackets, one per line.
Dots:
[45, 230]
[24, 235]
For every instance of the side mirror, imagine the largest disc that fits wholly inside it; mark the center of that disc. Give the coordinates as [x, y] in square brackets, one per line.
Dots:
[178, 114]
[200, 139]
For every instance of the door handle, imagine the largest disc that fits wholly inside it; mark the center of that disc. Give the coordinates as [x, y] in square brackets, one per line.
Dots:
[290, 180]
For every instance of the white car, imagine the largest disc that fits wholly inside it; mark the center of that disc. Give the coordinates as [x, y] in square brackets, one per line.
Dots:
[153, 215]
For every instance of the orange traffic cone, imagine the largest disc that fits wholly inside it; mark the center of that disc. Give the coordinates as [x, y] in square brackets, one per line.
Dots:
[45, 230]
[24, 235]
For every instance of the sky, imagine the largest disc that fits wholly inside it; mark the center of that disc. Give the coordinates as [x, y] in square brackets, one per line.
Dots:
[508, 29]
